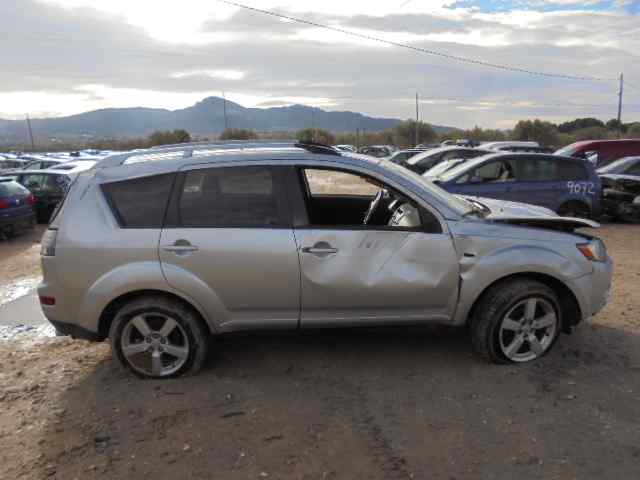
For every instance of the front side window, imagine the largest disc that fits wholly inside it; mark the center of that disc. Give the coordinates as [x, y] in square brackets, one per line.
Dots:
[491, 172]
[335, 182]
[339, 199]
[231, 197]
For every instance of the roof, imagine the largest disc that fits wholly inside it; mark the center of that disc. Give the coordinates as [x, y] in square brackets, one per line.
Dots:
[200, 153]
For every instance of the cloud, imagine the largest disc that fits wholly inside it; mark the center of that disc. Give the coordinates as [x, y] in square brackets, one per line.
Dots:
[75, 58]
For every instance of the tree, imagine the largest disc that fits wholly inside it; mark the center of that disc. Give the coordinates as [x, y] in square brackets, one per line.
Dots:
[545, 133]
[238, 134]
[579, 123]
[614, 125]
[404, 133]
[168, 137]
[592, 133]
[315, 135]
[633, 130]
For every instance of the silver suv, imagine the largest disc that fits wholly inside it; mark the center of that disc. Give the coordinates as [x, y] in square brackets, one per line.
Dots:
[159, 249]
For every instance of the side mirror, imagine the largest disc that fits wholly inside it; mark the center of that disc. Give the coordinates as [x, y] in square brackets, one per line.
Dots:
[476, 179]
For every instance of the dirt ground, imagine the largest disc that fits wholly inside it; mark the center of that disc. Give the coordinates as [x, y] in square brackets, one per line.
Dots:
[20, 261]
[372, 404]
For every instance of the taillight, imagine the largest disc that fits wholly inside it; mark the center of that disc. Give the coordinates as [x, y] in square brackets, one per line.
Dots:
[4, 204]
[31, 200]
[47, 301]
[48, 243]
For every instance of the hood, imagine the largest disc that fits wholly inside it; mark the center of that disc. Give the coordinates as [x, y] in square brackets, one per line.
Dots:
[515, 213]
[625, 183]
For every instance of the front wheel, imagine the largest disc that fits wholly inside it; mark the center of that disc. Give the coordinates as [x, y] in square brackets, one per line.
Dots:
[516, 322]
[156, 337]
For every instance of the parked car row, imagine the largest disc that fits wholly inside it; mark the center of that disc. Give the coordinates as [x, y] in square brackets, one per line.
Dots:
[43, 178]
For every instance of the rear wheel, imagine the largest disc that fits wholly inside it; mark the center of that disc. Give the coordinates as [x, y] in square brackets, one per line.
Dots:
[156, 337]
[516, 322]
[574, 209]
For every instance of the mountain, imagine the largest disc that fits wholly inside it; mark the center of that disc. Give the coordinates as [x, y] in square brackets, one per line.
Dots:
[205, 117]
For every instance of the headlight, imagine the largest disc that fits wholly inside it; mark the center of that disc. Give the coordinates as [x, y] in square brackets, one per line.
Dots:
[594, 250]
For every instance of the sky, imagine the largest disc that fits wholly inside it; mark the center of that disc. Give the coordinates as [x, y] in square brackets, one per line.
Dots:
[61, 57]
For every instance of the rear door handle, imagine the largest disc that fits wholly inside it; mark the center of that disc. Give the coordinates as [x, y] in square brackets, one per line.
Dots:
[179, 248]
[320, 250]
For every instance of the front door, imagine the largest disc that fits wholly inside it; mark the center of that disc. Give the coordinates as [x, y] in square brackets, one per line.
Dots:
[390, 271]
[228, 241]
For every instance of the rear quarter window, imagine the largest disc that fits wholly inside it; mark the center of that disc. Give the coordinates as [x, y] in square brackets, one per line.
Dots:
[8, 189]
[139, 202]
[568, 170]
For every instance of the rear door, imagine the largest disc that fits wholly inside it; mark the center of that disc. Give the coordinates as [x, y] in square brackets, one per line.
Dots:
[228, 230]
[381, 273]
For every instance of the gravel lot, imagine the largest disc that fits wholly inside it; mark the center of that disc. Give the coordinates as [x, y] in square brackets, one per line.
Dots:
[378, 404]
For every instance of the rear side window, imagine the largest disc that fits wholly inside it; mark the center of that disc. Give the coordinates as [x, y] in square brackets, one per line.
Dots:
[571, 171]
[139, 202]
[8, 189]
[548, 170]
[232, 197]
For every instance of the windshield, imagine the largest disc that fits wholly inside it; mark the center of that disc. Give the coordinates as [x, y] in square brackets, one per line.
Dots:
[457, 204]
[443, 167]
[567, 151]
[462, 168]
[619, 165]
[428, 154]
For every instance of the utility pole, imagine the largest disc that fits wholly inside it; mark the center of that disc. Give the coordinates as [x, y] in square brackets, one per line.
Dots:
[417, 120]
[224, 110]
[620, 105]
[313, 125]
[33, 143]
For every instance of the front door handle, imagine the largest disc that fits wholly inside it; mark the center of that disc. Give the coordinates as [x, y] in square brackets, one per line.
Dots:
[321, 249]
[180, 247]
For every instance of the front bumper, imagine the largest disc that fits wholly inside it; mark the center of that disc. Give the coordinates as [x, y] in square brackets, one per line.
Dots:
[594, 289]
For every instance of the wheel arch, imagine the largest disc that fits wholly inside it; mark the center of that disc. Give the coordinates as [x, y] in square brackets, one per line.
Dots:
[570, 313]
[576, 201]
[110, 311]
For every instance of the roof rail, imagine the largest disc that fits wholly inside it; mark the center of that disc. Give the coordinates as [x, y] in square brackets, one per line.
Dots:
[314, 147]
[185, 150]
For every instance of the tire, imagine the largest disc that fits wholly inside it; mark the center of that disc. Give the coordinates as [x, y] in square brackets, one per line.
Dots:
[494, 328]
[574, 209]
[156, 337]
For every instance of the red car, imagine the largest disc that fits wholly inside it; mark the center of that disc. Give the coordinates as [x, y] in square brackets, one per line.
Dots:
[602, 152]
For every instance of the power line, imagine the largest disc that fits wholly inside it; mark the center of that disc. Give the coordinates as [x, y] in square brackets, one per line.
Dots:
[419, 49]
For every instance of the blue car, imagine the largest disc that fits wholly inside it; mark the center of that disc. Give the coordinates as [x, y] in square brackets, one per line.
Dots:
[16, 207]
[569, 186]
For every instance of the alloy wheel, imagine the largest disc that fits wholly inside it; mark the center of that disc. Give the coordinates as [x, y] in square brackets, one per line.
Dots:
[154, 344]
[528, 329]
